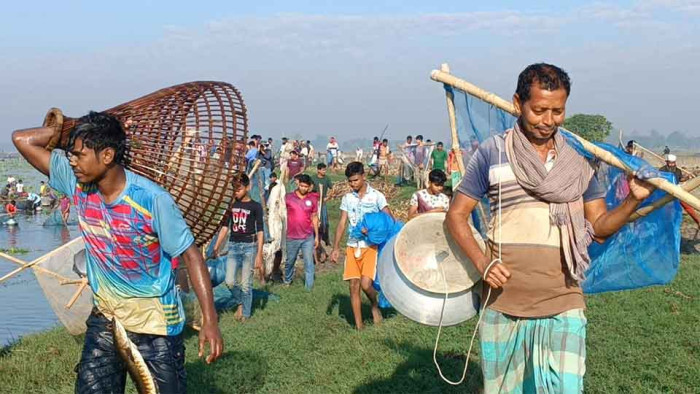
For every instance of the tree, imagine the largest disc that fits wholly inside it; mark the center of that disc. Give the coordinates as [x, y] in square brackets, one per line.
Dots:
[591, 127]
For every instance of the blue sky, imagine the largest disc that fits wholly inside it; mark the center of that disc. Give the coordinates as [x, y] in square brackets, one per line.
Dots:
[319, 67]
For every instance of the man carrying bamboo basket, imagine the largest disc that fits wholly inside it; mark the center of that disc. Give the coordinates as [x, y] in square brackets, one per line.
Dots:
[132, 231]
[547, 208]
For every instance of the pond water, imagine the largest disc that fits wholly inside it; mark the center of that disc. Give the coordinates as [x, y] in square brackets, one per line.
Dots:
[23, 307]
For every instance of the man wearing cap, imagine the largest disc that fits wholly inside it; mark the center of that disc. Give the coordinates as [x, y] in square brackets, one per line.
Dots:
[680, 177]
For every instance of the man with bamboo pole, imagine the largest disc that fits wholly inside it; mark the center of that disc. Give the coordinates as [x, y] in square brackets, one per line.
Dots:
[549, 207]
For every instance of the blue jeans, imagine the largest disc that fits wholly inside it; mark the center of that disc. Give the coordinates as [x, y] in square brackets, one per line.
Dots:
[307, 252]
[241, 261]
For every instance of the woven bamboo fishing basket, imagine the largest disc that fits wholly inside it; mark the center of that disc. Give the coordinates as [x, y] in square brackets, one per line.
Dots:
[189, 139]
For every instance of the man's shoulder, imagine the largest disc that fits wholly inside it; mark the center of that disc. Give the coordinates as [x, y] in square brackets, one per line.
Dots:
[144, 186]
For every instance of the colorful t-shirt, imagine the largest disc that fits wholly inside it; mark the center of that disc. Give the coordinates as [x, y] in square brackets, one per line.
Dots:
[130, 245]
[427, 202]
[439, 158]
[300, 211]
[531, 245]
[356, 208]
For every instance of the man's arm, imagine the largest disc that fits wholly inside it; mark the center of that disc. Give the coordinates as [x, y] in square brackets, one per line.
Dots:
[342, 223]
[201, 283]
[223, 233]
[606, 223]
[31, 144]
[458, 225]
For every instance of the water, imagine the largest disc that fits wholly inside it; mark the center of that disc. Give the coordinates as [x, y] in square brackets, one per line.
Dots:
[23, 308]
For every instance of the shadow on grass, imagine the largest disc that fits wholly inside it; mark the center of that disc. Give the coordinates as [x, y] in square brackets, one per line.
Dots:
[234, 372]
[417, 374]
[342, 302]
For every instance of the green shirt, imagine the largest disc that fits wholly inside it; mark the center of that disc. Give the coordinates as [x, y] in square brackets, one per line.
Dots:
[439, 158]
[327, 184]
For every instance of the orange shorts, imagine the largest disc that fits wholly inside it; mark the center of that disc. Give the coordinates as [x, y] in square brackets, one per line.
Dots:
[365, 265]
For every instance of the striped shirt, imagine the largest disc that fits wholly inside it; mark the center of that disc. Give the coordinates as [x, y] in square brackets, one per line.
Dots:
[531, 245]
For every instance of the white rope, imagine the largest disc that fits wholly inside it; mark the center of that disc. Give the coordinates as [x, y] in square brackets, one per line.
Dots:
[488, 294]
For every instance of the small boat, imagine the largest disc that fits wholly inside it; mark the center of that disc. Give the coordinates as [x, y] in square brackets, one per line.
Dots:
[10, 222]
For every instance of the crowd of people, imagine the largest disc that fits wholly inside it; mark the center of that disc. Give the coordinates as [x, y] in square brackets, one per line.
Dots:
[136, 237]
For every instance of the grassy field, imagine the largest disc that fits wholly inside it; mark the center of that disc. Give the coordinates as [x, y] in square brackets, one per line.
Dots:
[639, 341]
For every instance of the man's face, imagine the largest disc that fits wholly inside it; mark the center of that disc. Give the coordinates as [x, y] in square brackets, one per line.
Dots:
[321, 172]
[356, 182]
[89, 166]
[671, 164]
[295, 156]
[273, 179]
[409, 140]
[439, 147]
[543, 113]
[240, 192]
[304, 188]
[385, 143]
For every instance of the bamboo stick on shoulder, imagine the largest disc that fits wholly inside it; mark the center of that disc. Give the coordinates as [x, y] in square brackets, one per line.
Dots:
[689, 185]
[602, 154]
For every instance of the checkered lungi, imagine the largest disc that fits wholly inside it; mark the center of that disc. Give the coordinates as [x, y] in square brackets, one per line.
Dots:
[533, 355]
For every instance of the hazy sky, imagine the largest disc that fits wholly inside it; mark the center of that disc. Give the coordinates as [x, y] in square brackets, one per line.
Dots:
[315, 67]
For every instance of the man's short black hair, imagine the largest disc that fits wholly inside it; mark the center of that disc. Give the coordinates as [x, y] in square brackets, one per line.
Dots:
[251, 143]
[376, 138]
[273, 175]
[99, 131]
[440, 143]
[437, 177]
[321, 166]
[305, 179]
[409, 137]
[548, 76]
[244, 180]
[419, 137]
[385, 140]
[630, 143]
[354, 168]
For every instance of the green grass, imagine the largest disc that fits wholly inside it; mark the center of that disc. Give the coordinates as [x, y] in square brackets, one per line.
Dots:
[641, 341]
[14, 250]
[646, 340]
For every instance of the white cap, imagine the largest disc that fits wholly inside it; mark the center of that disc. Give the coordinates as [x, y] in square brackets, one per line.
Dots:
[670, 157]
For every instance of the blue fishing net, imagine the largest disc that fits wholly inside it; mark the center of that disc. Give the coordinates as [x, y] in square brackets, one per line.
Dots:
[643, 253]
[380, 228]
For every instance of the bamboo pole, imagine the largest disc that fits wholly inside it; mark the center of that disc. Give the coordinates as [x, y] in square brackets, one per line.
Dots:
[641, 212]
[23, 265]
[456, 148]
[453, 123]
[83, 285]
[662, 158]
[600, 153]
[253, 170]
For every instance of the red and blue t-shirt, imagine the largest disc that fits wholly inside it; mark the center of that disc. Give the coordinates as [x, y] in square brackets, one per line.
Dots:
[130, 245]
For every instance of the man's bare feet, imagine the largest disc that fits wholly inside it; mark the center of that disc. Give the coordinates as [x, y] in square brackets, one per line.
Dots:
[376, 315]
[360, 327]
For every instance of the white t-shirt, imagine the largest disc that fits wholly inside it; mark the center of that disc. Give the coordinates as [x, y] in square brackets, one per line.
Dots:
[333, 148]
[426, 201]
[20, 188]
